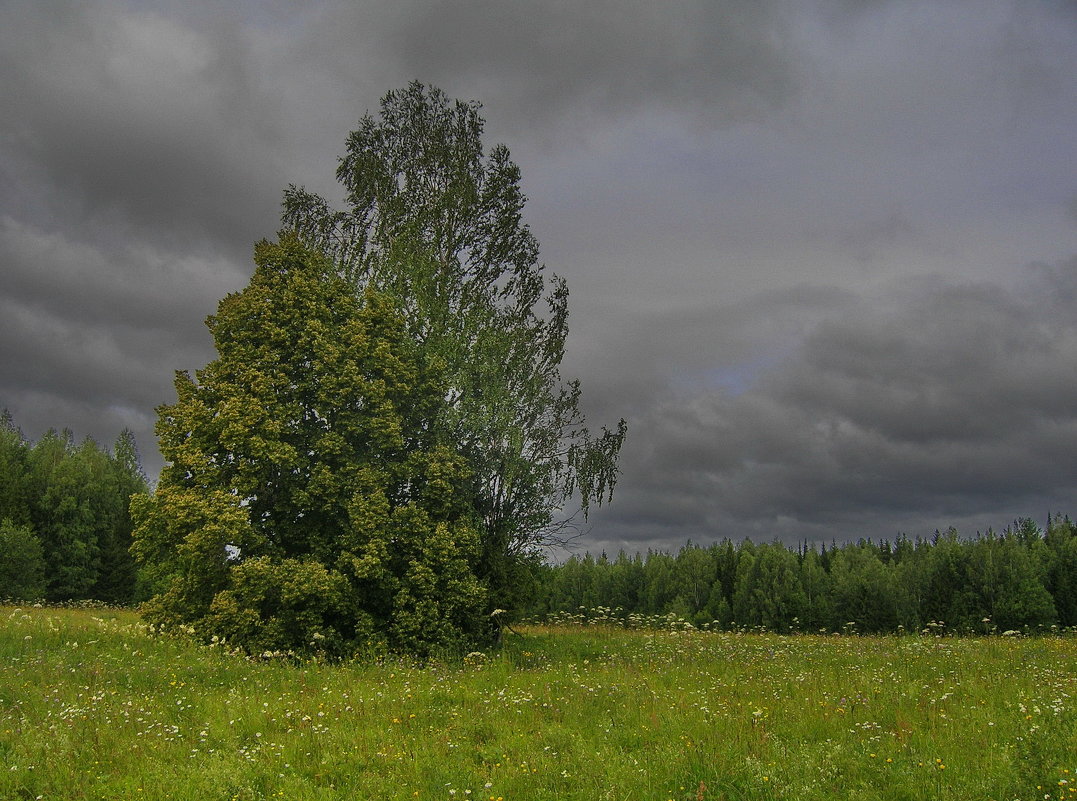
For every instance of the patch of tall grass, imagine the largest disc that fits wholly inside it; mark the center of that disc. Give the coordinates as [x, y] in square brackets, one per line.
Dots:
[93, 705]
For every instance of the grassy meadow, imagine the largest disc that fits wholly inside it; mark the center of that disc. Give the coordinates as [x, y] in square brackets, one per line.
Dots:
[93, 706]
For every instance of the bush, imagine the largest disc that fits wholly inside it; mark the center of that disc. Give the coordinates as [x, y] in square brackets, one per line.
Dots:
[310, 504]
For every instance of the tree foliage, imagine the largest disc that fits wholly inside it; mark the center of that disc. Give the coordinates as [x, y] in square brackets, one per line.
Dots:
[14, 471]
[309, 503]
[437, 223]
[73, 499]
[22, 568]
[1021, 579]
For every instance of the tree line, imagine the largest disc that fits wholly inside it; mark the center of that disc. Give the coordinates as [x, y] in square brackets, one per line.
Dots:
[65, 526]
[1022, 578]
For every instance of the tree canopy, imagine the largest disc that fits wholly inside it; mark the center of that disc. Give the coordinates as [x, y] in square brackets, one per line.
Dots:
[384, 441]
[64, 515]
[1020, 579]
[436, 222]
[309, 503]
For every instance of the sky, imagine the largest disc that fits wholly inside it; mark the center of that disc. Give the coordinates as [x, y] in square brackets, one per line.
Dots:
[822, 255]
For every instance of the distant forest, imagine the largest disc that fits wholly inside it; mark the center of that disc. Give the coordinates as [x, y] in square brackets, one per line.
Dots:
[1022, 579]
[65, 534]
[65, 529]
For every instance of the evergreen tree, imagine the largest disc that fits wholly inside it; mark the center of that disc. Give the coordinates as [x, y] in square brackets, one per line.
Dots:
[863, 591]
[694, 574]
[769, 593]
[1061, 540]
[660, 588]
[120, 480]
[743, 606]
[14, 472]
[1022, 578]
[945, 591]
[719, 602]
[626, 582]
[66, 515]
[815, 581]
[22, 568]
[1004, 578]
[75, 499]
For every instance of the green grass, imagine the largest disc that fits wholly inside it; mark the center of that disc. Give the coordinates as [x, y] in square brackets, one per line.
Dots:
[94, 707]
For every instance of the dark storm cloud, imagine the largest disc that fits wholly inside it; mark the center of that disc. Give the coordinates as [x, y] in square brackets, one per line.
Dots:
[144, 147]
[947, 404]
[130, 285]
[791, 231]
[91, 337]
[139, 161]
[718, 59]
[135, 123]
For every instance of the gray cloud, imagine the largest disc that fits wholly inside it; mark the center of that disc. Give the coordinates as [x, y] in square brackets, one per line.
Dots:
[92, 337]
[139, 124]
[950, 403]
[793, 233]
[720, 59]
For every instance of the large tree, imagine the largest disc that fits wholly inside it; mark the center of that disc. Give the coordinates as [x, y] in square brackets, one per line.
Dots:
[308, 502]
[437, 223]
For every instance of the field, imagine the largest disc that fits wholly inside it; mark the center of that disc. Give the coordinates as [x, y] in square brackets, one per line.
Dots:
[93, 706]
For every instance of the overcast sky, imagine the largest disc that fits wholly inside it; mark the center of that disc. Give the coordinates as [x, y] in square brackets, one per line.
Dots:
[822, 255]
